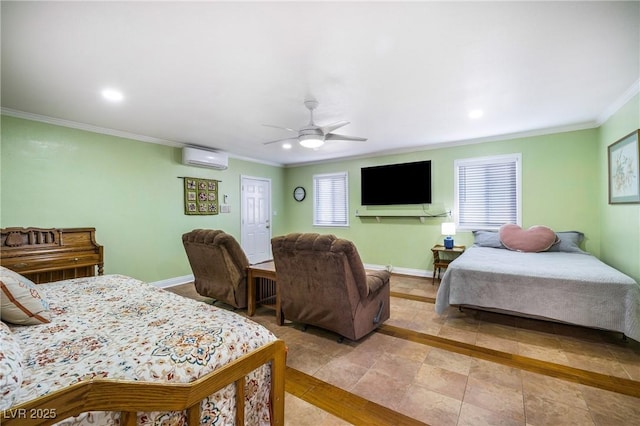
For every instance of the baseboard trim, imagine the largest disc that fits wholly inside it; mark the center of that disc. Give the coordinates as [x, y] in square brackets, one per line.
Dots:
[172, 282]
[400, 271]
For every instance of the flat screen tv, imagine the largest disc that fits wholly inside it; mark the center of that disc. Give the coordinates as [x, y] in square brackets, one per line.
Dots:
[405, 183]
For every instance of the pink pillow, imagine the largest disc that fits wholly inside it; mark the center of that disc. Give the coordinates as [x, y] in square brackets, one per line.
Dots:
[535, 239]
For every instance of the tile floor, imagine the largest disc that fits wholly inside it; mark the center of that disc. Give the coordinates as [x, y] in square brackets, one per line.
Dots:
[439, 387]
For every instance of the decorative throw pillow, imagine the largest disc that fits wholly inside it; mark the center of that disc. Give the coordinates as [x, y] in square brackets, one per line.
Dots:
[535, 239]
[20, 300]
[487, 239]
[10, 367]
[569, 242]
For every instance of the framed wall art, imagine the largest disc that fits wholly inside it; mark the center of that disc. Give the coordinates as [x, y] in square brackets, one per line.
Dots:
[624, 175]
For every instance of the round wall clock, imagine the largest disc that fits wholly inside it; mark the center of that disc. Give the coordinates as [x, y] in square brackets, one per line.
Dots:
[299, 193]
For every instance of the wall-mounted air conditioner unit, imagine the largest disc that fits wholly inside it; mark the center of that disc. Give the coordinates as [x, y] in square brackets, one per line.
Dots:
[201, 157]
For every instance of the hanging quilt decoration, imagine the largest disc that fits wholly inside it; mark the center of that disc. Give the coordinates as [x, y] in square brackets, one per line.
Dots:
[200, 196]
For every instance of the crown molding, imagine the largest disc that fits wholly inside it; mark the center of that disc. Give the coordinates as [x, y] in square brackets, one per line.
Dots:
[619, 103]
[117, 133]
[87, 127]
[632, 91]
[462, 142]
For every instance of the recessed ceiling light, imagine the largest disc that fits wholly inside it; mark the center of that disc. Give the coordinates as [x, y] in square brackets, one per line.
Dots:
[476, 113]
[112, 95]
[286, 145]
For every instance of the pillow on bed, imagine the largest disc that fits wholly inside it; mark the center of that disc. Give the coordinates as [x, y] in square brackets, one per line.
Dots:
[487, 239]
[535, 239]
[20, 301]
[569, 241]
[10, 367]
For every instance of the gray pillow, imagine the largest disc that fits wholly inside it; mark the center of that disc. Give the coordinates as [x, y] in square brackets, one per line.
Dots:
[487, 239]
[569, 242]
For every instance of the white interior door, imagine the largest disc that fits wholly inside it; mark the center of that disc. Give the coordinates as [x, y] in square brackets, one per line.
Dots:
[256, 219]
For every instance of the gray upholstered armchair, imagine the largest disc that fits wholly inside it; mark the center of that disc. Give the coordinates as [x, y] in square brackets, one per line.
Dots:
[219, 265]
[322, 281]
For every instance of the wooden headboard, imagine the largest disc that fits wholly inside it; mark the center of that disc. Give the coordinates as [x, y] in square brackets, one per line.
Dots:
[51, 254]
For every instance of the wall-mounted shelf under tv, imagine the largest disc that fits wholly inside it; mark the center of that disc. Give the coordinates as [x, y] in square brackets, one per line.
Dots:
[421, 215]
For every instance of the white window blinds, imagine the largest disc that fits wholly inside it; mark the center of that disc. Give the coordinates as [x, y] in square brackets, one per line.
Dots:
[487, 192]
[330, 200]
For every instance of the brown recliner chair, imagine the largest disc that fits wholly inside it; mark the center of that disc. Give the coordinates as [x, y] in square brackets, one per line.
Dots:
[219, 265]
[322, 281]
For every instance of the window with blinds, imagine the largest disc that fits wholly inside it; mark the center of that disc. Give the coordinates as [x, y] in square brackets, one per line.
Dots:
[487, 191]
[330, 200]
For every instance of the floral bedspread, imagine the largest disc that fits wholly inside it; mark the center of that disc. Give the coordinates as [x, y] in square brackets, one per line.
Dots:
[118, 327]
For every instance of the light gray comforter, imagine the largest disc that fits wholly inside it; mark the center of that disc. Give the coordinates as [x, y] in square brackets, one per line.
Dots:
[574, 288]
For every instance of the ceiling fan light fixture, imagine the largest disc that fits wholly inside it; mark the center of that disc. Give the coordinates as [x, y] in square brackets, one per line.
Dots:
[311, 141]
[112, 95]
[313, 136]
[475, 114]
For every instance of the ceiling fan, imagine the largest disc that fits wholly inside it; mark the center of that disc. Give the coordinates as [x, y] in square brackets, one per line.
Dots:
[314, 136]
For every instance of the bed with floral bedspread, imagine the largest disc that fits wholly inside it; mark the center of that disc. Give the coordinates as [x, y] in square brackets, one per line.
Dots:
[117, 327]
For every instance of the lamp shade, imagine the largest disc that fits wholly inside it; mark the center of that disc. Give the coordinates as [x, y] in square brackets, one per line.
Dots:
[448, 228]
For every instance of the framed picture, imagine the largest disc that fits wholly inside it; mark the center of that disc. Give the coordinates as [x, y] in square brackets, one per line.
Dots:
[624, 175]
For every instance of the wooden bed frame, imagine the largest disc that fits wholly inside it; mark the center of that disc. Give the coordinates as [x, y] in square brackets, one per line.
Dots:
[46, 255]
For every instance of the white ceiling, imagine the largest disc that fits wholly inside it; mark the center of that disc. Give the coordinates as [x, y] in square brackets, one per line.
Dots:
[405, 74]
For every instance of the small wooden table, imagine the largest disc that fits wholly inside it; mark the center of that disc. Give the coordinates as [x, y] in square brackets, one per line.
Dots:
[262, 288]
[442, 257]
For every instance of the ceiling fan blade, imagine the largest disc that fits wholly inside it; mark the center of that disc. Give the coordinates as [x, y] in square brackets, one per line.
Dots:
[331, 127]
[280, 140]
[334, 137]
[280, 127]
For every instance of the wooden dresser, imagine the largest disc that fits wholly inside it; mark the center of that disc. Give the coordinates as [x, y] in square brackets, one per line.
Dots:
[45, 255]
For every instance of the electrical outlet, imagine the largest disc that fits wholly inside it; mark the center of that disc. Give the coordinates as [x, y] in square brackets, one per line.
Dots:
[225, 208]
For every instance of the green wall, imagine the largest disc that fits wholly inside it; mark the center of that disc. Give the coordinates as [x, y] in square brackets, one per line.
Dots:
[54, 176]
[128, 190]
[560, 190]
[620, 223]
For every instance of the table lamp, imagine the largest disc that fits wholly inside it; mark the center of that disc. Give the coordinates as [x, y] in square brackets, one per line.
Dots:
[448, 229]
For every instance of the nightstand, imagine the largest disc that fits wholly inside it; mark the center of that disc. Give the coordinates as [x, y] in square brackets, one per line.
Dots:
[442, 257]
